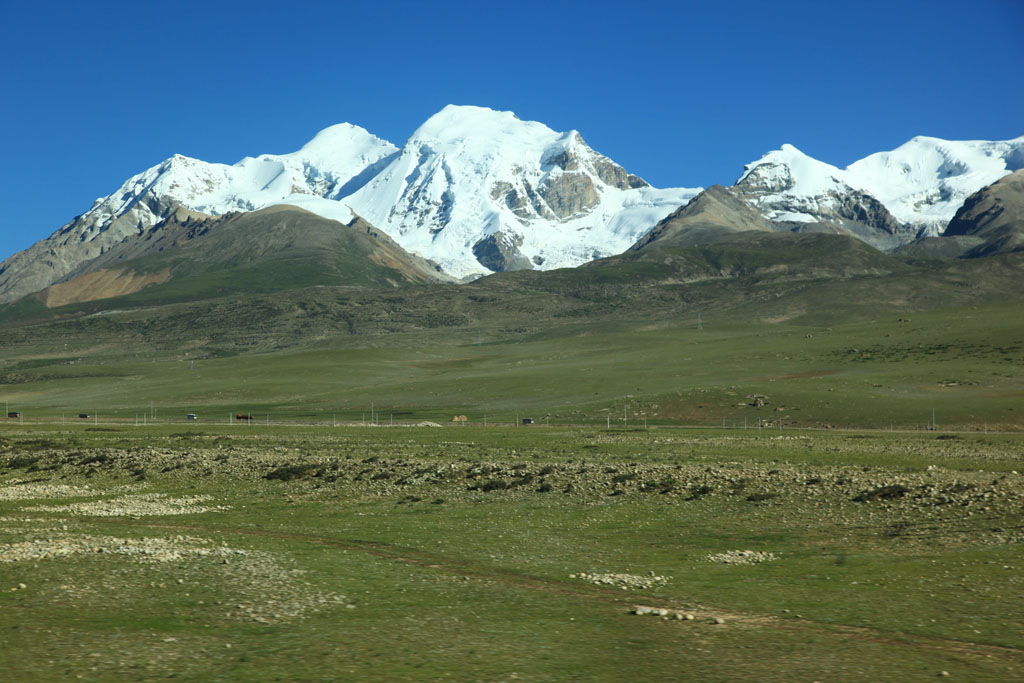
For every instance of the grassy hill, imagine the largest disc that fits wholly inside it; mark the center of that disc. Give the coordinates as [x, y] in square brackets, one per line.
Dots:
[827, 342]
[191, 257]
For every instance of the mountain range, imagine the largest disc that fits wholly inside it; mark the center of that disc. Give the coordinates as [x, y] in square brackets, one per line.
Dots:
[475, 191]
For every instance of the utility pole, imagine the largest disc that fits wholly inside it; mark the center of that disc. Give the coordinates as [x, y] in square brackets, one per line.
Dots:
[700, 323]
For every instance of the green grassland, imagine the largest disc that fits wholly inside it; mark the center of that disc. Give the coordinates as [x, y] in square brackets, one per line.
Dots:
[221, 553]
[806, 331]
[966, 364]
[318, 542]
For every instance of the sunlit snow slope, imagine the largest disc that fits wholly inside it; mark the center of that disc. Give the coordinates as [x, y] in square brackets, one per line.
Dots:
[327, 167]
[921, 184]
[478, 190]
[474, 189]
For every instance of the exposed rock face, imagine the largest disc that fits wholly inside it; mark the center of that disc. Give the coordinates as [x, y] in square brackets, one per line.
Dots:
[835, 207]
[500, 252]
[1001, 203]
[83, 239]
[862, 208]
[994, 214]
[569, 191]
[569, 194]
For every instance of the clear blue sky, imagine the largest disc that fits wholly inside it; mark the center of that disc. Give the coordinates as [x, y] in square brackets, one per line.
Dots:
[681, 93]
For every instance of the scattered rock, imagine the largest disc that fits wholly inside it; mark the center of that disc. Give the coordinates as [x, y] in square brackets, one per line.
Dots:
[624, 581]
[741, 557]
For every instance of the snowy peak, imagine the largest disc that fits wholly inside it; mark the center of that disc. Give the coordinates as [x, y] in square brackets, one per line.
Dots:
[479, 190]
[925, 180]
[475, 189]
[341, 142]
[920, 184]
[334, 161]
[463, 125]
[789, 171]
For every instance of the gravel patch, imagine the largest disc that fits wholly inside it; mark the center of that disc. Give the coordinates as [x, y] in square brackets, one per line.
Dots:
[15, 490]
[141, 505]
[264, 591]
[141, 549]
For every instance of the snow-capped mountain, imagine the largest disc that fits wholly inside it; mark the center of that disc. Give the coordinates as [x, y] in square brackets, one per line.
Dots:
[888, 197]
[328, 166]
[474, 189]
[478, 190]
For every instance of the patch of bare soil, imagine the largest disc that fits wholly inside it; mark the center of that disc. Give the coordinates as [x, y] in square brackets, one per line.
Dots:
[101, 284]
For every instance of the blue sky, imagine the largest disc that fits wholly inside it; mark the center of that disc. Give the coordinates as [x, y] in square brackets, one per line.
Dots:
[680, 93]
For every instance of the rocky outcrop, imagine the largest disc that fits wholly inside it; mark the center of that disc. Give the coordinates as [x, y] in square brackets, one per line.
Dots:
[837, 207]
[862, 208]
[500, 252]
[715, 213]
[569, 194]
[85, 238]
[995, 215]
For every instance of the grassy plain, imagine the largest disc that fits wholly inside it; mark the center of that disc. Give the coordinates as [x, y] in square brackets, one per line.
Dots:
[966, 364]
[816, 331]
[211, 552]
[288, 549]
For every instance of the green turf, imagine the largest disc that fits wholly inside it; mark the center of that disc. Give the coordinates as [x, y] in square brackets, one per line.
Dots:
[963, 364]
[451, 581]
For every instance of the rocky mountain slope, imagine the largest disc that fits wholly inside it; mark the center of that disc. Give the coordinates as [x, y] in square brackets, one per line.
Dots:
[713, 215]
[994, 215]
[190, 255]
[328, 166]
